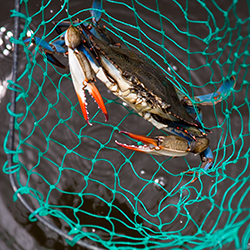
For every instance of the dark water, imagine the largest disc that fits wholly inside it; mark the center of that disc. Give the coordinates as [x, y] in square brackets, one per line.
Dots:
[137, 178]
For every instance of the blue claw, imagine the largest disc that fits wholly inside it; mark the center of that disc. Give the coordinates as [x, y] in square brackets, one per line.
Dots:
[208, 99]
[212, 98]
[208, 160]
[217, 96]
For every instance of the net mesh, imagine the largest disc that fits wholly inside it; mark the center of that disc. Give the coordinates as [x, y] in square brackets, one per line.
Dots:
[83, 183]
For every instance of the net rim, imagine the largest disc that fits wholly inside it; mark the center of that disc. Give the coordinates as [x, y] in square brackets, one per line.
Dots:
[11, 139]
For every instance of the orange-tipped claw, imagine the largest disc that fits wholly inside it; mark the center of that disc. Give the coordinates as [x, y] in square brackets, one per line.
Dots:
[150, 144]
[142, 138]
[98, 98]
[159, 145]
[83, 105]
[143, 148]
[92, 89]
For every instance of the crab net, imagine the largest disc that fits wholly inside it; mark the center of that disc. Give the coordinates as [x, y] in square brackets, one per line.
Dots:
[76, 179]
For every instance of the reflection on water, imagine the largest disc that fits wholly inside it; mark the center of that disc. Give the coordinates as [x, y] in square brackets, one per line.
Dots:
[6, 56]
[6, 51]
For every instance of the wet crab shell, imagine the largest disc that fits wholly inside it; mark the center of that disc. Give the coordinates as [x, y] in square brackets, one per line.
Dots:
[146, 81]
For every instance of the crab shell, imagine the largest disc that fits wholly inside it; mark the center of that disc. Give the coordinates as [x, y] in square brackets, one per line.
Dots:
[141, 84]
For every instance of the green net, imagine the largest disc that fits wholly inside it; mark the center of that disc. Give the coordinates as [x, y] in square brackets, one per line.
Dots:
[76, 177]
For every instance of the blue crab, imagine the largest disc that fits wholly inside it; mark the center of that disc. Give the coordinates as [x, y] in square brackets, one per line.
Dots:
[82, 63]
[140, 83]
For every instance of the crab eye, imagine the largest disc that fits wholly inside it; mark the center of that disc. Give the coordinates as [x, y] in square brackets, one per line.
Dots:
[129, 77]
[126, 74]
[134, 79]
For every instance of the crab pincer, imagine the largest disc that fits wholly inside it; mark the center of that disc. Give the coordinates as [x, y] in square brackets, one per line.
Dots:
[172, 145]
[159, 145]
[82, 74]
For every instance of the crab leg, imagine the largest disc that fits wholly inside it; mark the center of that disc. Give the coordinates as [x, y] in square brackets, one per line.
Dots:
[96, 12]
[207, 161]
[49, 49]
[171, 146]
[212, 98]
[160, 145]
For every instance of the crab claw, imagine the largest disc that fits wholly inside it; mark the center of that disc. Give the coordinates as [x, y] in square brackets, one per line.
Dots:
[212, 98]
[82, 73]
[159, 145]
[94, 92]
[222, 92]
[80, 87]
